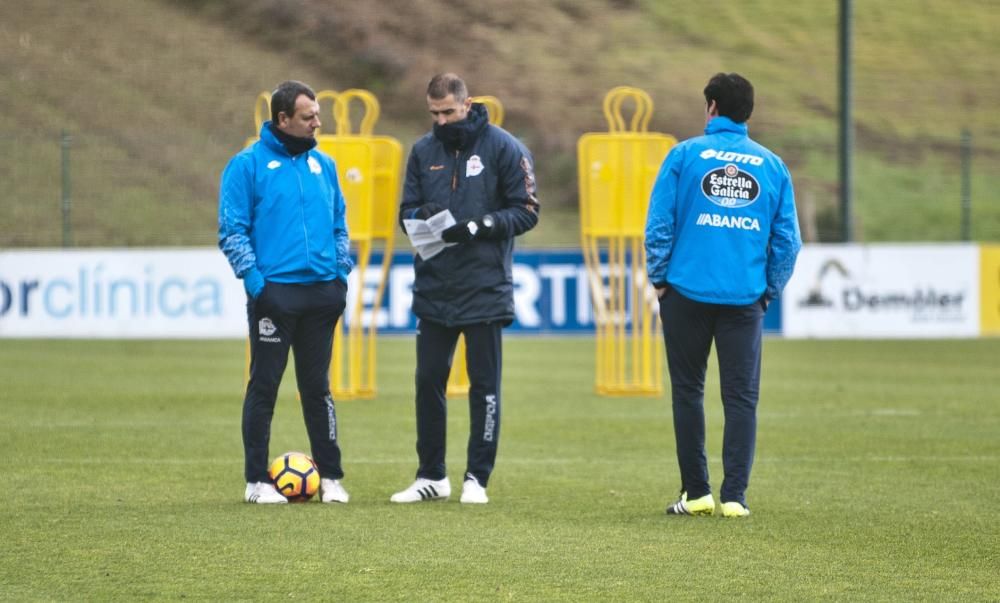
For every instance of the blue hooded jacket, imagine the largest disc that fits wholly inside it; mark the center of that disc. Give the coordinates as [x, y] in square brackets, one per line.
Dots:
[721, 227]
[283, 215]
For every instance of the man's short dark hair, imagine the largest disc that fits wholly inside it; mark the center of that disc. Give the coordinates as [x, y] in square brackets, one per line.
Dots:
[284, 96]
[733, 96]
[443, 84]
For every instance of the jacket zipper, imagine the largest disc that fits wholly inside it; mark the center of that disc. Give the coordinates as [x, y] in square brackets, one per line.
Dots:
[302, 208]
[454, 188]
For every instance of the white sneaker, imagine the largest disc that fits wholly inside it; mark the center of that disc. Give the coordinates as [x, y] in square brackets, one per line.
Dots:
[332, 491]
[263, 493]
[424, 489]
[472, 492]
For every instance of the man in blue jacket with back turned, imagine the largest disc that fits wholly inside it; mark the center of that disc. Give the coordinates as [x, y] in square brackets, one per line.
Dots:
[721, 241]
[282, 227]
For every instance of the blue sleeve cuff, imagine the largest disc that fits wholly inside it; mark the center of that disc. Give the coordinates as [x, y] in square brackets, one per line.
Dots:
[253, 282]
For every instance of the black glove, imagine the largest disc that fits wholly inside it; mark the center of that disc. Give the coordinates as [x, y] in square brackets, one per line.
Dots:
[463, 232]
[427, 210]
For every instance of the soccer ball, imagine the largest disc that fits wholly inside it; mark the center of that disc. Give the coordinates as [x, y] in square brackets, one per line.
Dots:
[295, 475]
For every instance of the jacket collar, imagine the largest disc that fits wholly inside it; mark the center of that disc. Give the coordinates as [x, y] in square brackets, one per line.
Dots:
[283, 143]
[460, 134]
[724, 124]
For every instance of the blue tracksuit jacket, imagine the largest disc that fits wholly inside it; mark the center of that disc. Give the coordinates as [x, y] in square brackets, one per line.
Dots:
[721, 226]
[283, 214]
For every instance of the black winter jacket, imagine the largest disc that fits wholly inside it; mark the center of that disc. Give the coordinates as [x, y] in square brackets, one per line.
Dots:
[484, 171]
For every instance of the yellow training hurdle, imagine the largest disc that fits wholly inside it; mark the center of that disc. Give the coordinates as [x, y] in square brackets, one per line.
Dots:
[617, 171]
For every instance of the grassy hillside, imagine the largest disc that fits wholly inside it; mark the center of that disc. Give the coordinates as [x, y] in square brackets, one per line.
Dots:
[158, 94]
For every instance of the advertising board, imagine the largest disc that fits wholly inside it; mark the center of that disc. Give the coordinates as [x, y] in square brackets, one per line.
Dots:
[883, 291]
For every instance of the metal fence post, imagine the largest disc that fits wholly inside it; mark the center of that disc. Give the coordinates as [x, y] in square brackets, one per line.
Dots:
[67, 229]
[846, 150]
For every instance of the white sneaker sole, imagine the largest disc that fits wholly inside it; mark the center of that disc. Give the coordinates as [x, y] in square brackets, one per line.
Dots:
[426, 494]
[256, 500]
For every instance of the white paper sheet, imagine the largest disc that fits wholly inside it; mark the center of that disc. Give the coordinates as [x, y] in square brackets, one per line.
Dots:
[425, 235]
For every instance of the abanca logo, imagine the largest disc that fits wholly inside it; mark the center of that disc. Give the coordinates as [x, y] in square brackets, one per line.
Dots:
[734, 222]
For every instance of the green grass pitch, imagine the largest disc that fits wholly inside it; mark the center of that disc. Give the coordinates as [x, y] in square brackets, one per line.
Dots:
[877, 478]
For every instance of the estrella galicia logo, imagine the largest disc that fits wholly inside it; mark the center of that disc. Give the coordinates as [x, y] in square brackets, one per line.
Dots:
[729, 186]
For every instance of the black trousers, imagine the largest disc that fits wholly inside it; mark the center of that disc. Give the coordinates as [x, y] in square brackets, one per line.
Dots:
[302, 317]
[435, 350]
[689, 328]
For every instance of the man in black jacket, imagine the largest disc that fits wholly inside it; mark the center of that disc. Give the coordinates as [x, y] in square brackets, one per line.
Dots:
[485, 177]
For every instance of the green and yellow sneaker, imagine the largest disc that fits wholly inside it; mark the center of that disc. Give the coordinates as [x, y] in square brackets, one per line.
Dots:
[699, 506]
[734, 509]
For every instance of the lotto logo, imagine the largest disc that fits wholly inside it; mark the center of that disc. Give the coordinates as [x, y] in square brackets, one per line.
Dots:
[731, 156]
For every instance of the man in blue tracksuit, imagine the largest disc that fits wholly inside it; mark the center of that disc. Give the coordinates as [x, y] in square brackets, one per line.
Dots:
[282, 227]
[485, 177]
[721, 241]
